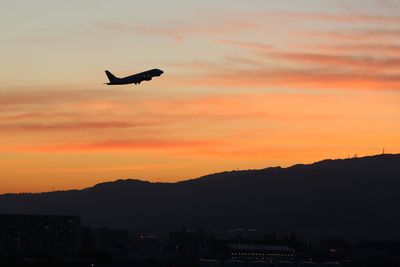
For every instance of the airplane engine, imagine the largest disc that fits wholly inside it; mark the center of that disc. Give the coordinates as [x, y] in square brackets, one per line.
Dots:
[148, 78]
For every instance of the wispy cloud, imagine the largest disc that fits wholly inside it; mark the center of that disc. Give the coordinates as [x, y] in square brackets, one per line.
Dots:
[362, 34]
[324, 75]
[375, 62]
[336, 18]
[180, 30]
[338, 61]
[114, 145]
[375, 49]
[68, 126]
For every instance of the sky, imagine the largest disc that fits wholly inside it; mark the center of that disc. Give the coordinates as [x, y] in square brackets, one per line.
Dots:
[248, 84]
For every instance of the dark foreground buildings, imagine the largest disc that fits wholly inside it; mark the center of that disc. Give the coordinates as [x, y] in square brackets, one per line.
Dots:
[36, 236]
[47, 240]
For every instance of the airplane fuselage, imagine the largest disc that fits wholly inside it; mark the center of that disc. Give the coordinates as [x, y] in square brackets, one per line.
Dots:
[135, 79]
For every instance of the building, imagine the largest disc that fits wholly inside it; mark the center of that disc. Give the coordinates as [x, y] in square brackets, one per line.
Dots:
[259, 264]
[103, 239]
[234, 263]
[260, 252]
[297, 240]
[39, 236]
[210, 263]
[190, 245]
[148, 247]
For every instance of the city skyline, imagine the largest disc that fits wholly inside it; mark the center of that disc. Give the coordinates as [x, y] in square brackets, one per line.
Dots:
[246, 85]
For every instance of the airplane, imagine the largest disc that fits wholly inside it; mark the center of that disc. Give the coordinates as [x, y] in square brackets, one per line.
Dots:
[136, 78]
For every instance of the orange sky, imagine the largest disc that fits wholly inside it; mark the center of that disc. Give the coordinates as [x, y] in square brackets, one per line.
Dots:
[244, 87]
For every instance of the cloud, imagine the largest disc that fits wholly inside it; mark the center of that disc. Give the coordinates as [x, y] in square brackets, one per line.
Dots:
[114, 145]
[182, 122]
[358, 48]
[250, 45]
[375, 62]
[180, 30]
[68, 126]
[335, 61]
[34, 115]
[336, 18]
[319, 79]
[358, 35]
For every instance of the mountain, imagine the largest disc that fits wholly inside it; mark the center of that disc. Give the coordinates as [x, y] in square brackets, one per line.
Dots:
[352, 198]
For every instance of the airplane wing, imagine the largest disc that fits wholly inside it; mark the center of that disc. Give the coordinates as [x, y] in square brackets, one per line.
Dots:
[140, 77]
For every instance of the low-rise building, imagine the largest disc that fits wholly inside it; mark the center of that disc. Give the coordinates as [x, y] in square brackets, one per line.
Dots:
[260, 252]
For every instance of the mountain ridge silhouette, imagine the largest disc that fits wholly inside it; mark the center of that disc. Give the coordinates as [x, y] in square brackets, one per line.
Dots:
[351, 198]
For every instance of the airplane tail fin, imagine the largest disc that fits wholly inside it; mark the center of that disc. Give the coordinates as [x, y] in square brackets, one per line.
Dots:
[111, 76]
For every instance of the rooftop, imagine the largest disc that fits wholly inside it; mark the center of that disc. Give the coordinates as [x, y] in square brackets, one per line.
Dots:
[259, 247]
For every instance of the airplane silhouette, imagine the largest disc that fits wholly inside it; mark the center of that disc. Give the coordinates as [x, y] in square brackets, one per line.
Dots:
[136, 78]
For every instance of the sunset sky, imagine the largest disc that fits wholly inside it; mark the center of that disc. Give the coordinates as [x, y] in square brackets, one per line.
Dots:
[247, 84]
